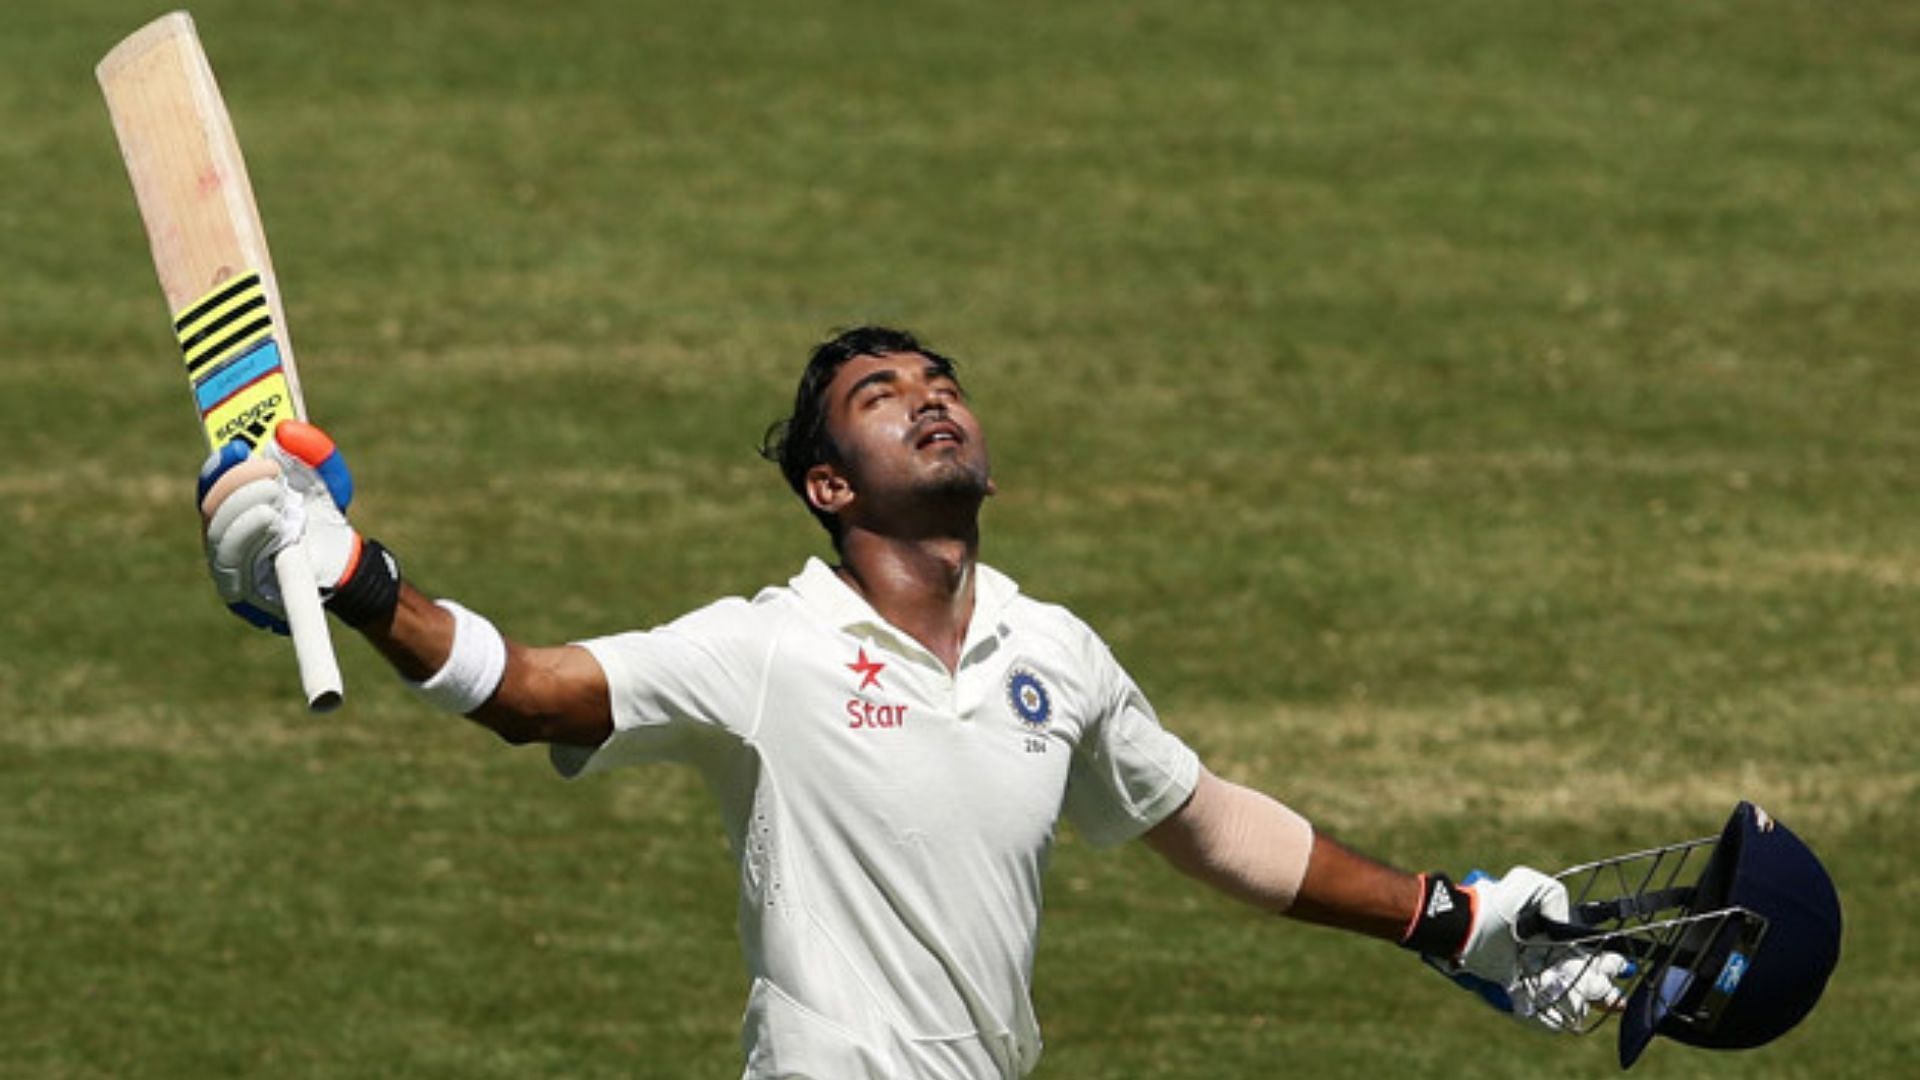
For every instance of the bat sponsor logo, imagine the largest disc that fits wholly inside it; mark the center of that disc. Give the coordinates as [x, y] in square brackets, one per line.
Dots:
[252, 424]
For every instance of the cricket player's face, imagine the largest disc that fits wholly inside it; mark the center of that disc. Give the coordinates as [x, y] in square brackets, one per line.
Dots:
[903, 428]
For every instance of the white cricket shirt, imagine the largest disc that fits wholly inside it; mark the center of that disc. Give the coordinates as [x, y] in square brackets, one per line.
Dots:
[891, 820]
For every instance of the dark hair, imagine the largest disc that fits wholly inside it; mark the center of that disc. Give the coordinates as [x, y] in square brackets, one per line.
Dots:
[801, 441]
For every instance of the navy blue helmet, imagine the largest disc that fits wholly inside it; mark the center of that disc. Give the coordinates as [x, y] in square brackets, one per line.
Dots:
[1762, 937]
[1732, 938]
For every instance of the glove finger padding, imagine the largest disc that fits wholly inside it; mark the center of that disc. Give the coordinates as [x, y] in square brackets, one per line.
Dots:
[254, 507]
[226, 472]
[249, 523]
[300, 441]
[219, 463]
[332, 544]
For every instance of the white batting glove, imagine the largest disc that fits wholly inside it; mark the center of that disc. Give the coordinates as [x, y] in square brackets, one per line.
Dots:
[296, 488]
[1560, 997]
[1492, 947]
[1480, 915]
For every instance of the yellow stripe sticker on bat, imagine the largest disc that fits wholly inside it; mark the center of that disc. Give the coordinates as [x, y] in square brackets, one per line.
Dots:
[223, 322]
[239, 382]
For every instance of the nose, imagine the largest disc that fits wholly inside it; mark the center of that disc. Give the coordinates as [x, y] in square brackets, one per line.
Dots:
[928, 403]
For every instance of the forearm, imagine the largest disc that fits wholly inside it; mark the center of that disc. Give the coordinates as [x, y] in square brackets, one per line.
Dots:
[417, 638]
[1347, 890]
[543, 694]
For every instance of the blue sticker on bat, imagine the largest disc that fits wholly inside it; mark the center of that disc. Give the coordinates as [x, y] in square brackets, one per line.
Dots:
[236, 375]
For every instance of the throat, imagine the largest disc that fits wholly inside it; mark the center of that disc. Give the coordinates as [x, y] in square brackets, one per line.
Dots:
[925, 595]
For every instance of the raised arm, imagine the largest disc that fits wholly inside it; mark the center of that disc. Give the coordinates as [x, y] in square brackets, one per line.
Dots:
[251, 507]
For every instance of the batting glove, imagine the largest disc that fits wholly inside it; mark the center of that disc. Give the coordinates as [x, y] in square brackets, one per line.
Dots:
[296, 489]
[1560, 997]
[1466, 932]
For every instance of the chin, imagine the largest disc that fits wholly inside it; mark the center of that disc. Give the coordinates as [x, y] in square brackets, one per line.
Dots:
[961, 482]
[958, 493]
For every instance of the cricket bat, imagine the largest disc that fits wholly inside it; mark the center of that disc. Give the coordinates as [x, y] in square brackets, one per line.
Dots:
[211, 255]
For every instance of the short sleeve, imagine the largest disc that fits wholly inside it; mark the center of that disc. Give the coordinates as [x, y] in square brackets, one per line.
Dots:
[673, 688]
[1128, 772]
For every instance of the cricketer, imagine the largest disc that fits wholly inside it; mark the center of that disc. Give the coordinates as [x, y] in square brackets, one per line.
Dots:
[892, 739]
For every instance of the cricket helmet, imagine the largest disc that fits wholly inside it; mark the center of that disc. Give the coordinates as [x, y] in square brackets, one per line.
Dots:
[1745, 977]
[1733, 958]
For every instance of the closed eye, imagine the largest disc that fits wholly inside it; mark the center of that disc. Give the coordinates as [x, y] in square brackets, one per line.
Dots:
[872, 387]
[946, 389]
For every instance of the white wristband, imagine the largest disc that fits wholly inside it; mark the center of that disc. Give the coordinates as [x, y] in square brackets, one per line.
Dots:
[473, 669]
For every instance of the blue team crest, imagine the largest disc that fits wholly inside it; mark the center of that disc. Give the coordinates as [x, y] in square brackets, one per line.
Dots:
[1029, 698]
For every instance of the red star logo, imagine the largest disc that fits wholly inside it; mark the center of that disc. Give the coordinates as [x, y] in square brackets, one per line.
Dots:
[868, 670]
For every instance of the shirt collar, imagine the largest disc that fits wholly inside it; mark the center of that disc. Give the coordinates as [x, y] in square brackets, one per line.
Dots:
[822, 590]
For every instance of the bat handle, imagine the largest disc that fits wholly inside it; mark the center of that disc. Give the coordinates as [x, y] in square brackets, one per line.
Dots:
[307, 621]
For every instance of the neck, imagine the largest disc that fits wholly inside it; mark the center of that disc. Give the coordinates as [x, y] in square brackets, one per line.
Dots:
[923, 586]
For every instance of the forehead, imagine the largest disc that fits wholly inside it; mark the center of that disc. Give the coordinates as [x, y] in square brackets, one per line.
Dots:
[862, 368]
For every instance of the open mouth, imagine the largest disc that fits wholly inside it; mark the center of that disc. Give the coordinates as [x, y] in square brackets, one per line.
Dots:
[937, 434]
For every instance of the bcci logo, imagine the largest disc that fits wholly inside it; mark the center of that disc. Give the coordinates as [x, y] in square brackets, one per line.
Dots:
[1029, 698]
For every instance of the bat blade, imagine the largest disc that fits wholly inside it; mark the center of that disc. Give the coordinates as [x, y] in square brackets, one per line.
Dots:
[210, 253]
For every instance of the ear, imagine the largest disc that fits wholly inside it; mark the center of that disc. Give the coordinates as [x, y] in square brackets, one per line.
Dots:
[828, 489]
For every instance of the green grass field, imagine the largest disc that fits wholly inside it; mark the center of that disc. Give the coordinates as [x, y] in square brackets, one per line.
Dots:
[1492, 427]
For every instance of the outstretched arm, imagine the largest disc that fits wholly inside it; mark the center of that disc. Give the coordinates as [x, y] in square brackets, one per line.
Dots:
[1251, 847]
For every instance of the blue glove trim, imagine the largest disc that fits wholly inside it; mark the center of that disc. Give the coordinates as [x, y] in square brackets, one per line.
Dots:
[258, 618]
[216, 466]
[1490, 992]
[339, 480]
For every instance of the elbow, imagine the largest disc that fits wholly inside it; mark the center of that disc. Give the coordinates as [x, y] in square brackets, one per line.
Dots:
[517, 735]
[517, 727]
[549, 696]
[514, 727]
